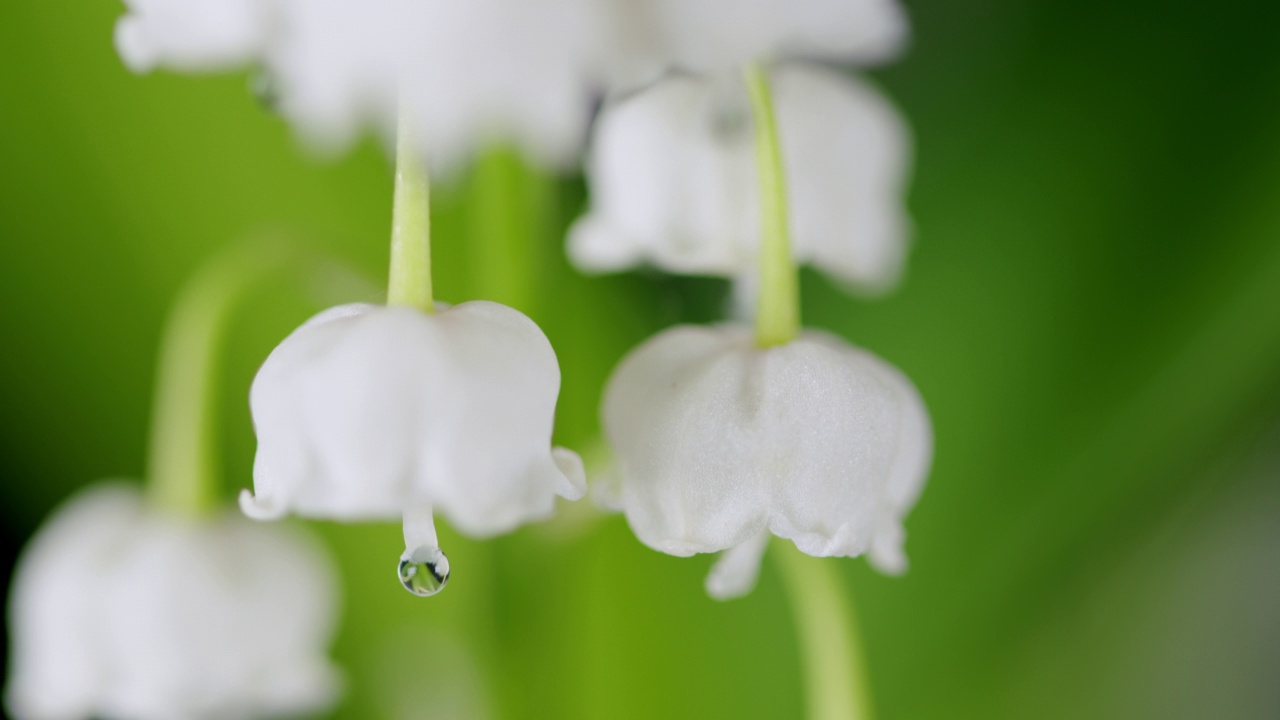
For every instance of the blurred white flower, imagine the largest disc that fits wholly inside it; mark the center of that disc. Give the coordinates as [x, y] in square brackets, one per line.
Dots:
[464, 73]
[371, 412]
[673, 179]
[714, 36]
[117, 611]
[191, 34]
[719, 443]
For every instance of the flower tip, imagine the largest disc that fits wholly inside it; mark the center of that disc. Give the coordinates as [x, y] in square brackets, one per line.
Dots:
[575, 475]
[888, 557]
[260, 508]
[735, 572]
[722, 587]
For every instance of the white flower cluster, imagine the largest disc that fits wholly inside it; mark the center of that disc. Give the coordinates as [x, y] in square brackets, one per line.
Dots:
[342, 406]
[402, 411]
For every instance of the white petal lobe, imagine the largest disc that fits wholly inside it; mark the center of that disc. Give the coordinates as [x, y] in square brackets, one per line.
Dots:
[736, 570]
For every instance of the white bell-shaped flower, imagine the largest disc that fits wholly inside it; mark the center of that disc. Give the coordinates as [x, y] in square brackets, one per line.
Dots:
[673, 181]
[720, 443]
[118, 611]
[371, 412]
[465, 73]
[713, 36]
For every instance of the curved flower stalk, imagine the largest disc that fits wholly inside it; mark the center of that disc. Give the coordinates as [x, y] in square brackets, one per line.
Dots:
[672, 180]
[465, 74]
[163, 607]
[119, 610]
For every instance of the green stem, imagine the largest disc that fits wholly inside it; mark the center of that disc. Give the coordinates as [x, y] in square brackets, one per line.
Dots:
[507, 216]
[410, 281]
[183, 466]
[835, 674]
[778, 309]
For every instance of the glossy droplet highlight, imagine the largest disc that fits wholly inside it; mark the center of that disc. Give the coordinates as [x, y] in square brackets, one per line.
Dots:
[424, 571]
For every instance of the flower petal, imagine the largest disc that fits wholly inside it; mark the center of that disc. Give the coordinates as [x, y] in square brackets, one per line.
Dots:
[736, 570]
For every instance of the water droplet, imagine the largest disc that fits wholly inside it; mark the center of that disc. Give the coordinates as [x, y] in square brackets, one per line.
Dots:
[424, 571]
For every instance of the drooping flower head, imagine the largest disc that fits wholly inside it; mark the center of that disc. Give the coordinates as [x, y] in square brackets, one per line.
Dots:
[673, 185]
[670, 165]
[465, 73]
[366, 411]
[117, 610]
[720, 443]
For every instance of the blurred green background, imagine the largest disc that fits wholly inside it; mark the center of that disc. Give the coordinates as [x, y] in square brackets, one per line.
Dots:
[1092, 312]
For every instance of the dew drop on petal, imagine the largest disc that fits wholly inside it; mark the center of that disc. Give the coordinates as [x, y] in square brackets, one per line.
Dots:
[424, 571]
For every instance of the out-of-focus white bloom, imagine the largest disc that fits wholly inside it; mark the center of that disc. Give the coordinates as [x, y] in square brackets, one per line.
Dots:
[119, 612]
[673, 179]
[369, 412]
[191, 34]
[714, 36]
[719, 442]
[464, 73]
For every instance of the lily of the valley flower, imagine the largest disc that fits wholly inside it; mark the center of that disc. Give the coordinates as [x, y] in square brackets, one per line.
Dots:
[120, 611]
[465, 73]
[405, 410]
[367, 412]
[720, 443]
[673, 183]
[715, 36]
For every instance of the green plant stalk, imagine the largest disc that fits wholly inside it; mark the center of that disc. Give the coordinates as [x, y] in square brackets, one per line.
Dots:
[835, 675]
[183, 467]
[778, 303]
[507, 218]
[410, 278]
